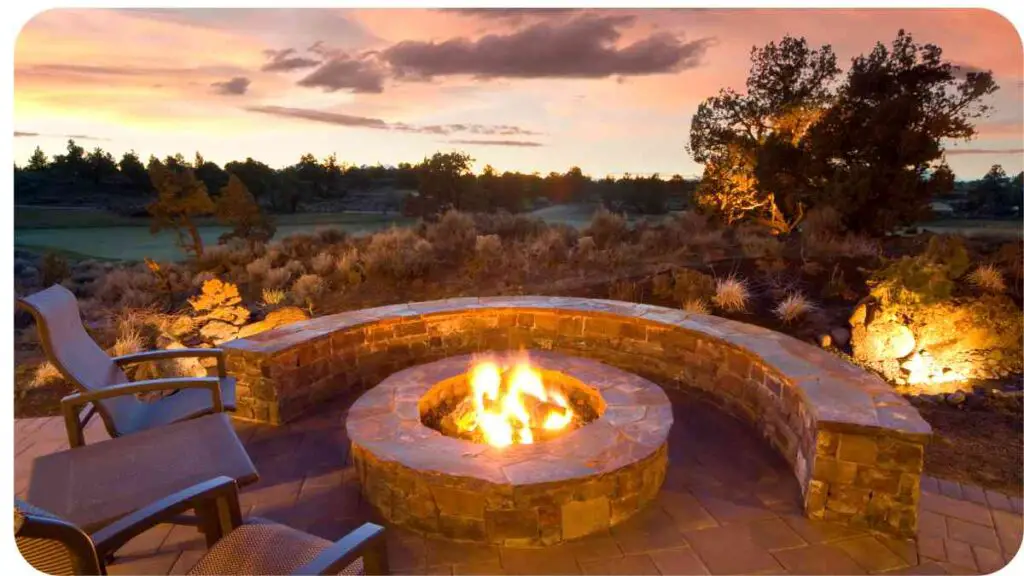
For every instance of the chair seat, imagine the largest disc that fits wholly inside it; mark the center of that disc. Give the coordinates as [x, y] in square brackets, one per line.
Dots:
[182, 405]
[262, 546]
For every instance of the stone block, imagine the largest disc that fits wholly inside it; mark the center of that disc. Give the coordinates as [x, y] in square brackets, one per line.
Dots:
[583, 517]
[461, 527]
[834, 471]
[461, 503]
[512, 524]
[856, 448]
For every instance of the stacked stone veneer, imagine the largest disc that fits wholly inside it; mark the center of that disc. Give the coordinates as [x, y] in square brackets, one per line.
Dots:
[540, 494]
[856, 447]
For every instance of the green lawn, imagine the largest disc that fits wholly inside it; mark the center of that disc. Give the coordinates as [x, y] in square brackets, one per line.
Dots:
[97, 233]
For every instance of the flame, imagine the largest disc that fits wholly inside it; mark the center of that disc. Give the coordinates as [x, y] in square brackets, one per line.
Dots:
[500, 412]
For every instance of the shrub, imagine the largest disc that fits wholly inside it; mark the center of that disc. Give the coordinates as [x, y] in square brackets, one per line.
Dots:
[508, 226]
[453, 236]
[793, 308]
[215, 294]
[552, 246]
[299, 246]
[258, 268]
[308, 289]
[758, 244]
[924, 279]
[987, 278]
[45, 375]
[202, 278]
[585, 249]
[607, 228]
[731, 294]
[54, 269]
[323, 263]
[488, 253]
[277, 278]
[348, 268]
[625, 290]
[295, 267]
[127, 287]
[690, 284]
[272, 297]
[822, 222]
[398, 254]
[661, 285]
[696, 306]
[330, 236]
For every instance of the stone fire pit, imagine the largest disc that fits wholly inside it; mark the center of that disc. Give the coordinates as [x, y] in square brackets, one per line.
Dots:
[521, 495]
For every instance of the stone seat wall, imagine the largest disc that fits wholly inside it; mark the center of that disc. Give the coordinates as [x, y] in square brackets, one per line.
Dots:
[855, 446]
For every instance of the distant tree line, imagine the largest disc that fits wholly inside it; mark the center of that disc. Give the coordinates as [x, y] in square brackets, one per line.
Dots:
[441, 181]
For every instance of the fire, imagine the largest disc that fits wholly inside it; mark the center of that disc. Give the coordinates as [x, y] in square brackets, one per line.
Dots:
[510, 406]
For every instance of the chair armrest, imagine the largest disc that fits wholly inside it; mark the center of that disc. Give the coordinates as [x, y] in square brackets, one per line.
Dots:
[215, 502]
[69, 404]
[154, 355]
[367, 542]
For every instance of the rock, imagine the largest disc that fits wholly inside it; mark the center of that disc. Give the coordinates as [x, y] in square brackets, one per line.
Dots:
[883, 340]
[279, 317]
[956, 398]
[840, 336]
[825, 340]
[236, 315]
[218, 332]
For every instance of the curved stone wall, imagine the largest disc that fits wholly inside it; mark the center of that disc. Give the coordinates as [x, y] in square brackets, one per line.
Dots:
[856, 447]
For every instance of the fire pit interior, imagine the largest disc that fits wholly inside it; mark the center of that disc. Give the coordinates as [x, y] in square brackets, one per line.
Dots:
[510, 449]
[505, 399]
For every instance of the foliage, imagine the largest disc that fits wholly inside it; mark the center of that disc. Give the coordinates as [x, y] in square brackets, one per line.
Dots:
[398, 254]
[237, 208]
[308, 289]
[54, 269]
[731, 294]
[271, 297]
[688, 284]
[794, 307]
[607, 228]
[924, 279]
[443, 182]
[873, 145]
[215, 294]
[181, 197]
[987, 278]
[453, 236]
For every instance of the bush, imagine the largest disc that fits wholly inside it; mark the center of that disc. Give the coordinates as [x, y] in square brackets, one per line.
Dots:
[690, 284]
[757, 244]
[607, 228]
[308, 289]
[924, 279]
[731, 294]
[348, 268]
[330, 236]
[277, 278]
[488, 253]
[661, 285]
[453, 236]
[822, 222]
[258, 268]
[272, 297]
[323, 263]
[625, 290]
[552, 246]
[398, 255]
[585, 250]
[508, 226]
[54, 269]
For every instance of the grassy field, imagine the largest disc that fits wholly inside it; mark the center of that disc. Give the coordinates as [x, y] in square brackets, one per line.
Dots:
[97, 233]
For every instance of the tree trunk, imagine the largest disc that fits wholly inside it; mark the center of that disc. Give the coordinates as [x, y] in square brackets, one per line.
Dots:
[197, 240]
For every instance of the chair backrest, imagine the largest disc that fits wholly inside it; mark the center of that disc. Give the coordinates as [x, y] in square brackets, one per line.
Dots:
[76, 355]
[52, 545]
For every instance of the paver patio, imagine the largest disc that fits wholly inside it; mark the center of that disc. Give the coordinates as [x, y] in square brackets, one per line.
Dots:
[729, 505]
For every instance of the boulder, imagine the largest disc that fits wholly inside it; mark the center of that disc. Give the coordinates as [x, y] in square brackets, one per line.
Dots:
[236, 315]
[840, 336]
[279, 317]
[218, 332]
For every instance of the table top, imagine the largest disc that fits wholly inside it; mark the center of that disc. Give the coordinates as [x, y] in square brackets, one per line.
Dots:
[96, 484]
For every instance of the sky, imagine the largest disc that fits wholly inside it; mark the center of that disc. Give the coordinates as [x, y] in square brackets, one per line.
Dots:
[610, 91]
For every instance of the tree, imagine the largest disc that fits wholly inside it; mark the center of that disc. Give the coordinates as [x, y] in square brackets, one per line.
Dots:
[747, 141]
[100, 165]
[443, 182]
[180, 198]
[38, 161]
[259, 179]
[133, 170]
[874, 149]
[237, 208]
[210, 173]
[71, 164]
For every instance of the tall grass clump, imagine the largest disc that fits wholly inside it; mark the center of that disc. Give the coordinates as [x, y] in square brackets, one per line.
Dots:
[731, 294]
[793, 307]
[988, 279]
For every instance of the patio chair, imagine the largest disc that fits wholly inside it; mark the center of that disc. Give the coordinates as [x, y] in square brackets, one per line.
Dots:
[104, 388]
[256, 546]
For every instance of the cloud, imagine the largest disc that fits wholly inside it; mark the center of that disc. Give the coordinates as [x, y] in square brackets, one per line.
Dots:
[988, 151]
[234, 87]
[522, 143]
[19, 134]
[350, 121]
[286, 61]
[584, 47]
[514, 14]
[343, 72]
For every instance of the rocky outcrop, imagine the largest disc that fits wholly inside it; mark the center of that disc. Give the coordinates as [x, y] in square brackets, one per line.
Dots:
[279, 317]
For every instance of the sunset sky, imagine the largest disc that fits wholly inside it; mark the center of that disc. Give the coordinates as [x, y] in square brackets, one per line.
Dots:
[609, 91]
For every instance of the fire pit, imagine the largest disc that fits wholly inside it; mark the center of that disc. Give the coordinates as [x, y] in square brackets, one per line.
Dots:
[510, 448]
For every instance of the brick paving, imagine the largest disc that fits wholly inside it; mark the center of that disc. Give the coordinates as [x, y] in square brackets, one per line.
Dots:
[729, 505]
